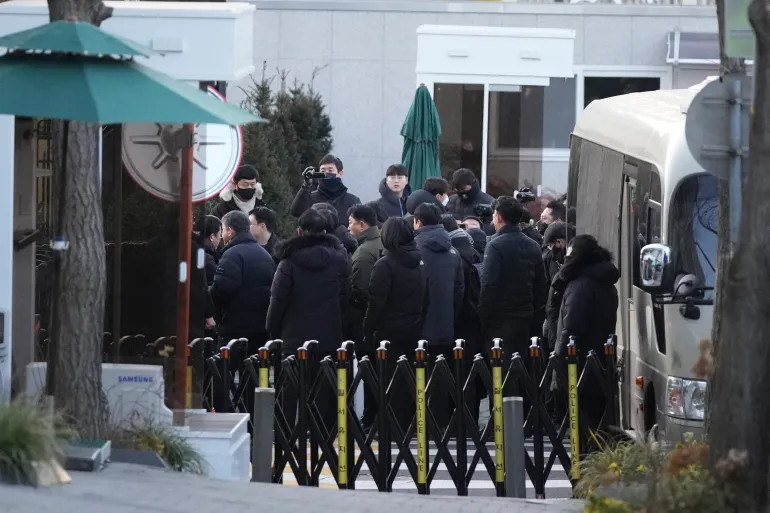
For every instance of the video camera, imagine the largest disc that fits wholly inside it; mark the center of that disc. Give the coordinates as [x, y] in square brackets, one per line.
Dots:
[483, 211]
[524, 195]
[310, 174]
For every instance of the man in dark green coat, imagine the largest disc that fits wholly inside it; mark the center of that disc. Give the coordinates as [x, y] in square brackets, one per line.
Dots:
[362, 223]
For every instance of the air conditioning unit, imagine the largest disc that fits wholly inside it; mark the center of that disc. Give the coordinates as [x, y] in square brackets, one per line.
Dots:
[134, 392]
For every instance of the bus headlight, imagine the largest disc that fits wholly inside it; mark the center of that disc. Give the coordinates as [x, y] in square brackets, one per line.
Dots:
[686, 398]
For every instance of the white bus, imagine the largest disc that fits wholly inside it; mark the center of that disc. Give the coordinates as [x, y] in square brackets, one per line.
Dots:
[637, 188]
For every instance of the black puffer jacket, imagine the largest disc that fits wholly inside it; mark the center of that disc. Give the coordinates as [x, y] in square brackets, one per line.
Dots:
[512, 280]
[462, 208]
[210, 262]
[419, 197]
[589, 307]
[390, 202]
[461, 241]
[241, 289]
[396, 297]
[445, 284]
[310, 292]
[330, 190]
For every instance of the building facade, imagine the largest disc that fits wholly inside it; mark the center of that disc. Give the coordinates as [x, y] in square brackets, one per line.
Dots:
[361, 56]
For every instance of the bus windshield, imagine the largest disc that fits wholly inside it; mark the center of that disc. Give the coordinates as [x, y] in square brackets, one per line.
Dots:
[694, 222]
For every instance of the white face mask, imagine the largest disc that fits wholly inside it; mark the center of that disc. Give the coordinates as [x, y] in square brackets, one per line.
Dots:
[445, 200]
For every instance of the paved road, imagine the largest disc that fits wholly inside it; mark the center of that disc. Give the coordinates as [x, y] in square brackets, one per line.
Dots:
[123, 488]
[558, 485]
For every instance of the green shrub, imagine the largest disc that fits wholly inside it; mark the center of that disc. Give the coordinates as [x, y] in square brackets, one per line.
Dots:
[27, 435]
[163, 440]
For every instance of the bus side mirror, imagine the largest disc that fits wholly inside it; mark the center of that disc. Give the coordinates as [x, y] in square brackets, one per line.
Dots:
[653, 263]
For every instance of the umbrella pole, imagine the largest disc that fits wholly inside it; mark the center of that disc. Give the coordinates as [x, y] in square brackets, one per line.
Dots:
[185, 261]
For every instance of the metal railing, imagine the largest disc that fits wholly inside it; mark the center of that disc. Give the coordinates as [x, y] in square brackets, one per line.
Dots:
[419, 400]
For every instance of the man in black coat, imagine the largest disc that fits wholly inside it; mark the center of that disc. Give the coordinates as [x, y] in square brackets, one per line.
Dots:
[394, 191]
[333, 226]
[513, 289]
[263, 227]
[330, 190]
[468, 196]
[241, 289]
[444, 273]
[311, 286]
[435, 190]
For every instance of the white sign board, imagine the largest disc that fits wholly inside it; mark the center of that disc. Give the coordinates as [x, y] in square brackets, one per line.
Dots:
[153, 161]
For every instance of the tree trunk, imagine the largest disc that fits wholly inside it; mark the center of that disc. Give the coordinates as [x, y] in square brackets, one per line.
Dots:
[77, 320]
[724, 247]
[740, 409]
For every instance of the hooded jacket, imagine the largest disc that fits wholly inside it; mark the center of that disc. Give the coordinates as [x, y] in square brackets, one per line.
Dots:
[330, 190]
[589, 306]
[396, 297]
[229, 202]
[419, 197]
[310, 292]
[389, 201]
[241, 288]
[463, 244]
[445, 284]
[461, 208]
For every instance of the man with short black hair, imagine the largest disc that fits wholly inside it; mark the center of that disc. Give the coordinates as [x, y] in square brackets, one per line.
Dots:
[444, 273]
[554, 211]
[241, 288]
[329, 190]
[263, 227]
[435, 191]
[513, 292]
[363, 226]
[244, 193]
[310, 289]
[394, 191]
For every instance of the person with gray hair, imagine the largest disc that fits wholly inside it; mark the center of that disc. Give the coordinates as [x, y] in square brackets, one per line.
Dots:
[241, 289]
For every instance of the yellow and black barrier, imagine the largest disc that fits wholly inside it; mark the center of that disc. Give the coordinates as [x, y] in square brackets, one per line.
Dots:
[342, 418]
[421, 405]
[497, 415]
[264, 367]
[572, 397]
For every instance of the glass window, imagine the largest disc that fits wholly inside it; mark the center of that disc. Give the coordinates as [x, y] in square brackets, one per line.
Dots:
[461, 110]
[597, 88]
[694, 223]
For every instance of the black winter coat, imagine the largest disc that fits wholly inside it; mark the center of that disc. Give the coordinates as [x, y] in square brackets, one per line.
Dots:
[419, 197]
[391, 204]
[589, 307]
[461, 209]
[396, 297]
[339, 198]
[241, 289]
[512, 279]
[445, 284]
[469, 257]
[531, 232]
[309, 293]
[210, 263]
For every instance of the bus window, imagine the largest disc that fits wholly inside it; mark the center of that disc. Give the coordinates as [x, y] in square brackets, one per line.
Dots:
[693, 228]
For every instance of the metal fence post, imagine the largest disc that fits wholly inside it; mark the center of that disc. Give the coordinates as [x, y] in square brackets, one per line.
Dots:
[572, 383]
[611, 403]
[497, 415]
[262, 435]
[342, 418]
[302, 424]
[537, 428]
[462, 449]
[515, 470]
[422, 441]
[224, 354]
[382, 416]
[264, 367]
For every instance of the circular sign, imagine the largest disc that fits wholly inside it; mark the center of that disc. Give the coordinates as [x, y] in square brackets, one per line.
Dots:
[152, 159]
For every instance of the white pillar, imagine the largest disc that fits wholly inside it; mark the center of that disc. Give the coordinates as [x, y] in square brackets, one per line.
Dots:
[7, 128]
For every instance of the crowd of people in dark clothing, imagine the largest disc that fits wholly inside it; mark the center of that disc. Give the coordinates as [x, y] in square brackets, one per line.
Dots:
[430, 264]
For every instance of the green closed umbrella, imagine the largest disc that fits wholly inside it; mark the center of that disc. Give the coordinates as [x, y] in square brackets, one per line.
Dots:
[421, 132]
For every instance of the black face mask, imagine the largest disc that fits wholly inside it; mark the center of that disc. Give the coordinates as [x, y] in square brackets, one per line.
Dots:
[245, 194]
[541, 227]
[471, 193]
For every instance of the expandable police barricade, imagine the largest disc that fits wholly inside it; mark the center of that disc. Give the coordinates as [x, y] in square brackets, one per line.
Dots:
[316, 425]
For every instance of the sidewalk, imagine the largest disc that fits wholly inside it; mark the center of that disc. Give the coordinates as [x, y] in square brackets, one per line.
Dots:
[123, 488]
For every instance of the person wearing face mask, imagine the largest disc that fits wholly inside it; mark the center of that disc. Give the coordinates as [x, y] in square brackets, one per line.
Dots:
[394, 191]
[244, 193]
[554, 211]
[330, 190]
[435, 191]
[468, 196]
[555, 242]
